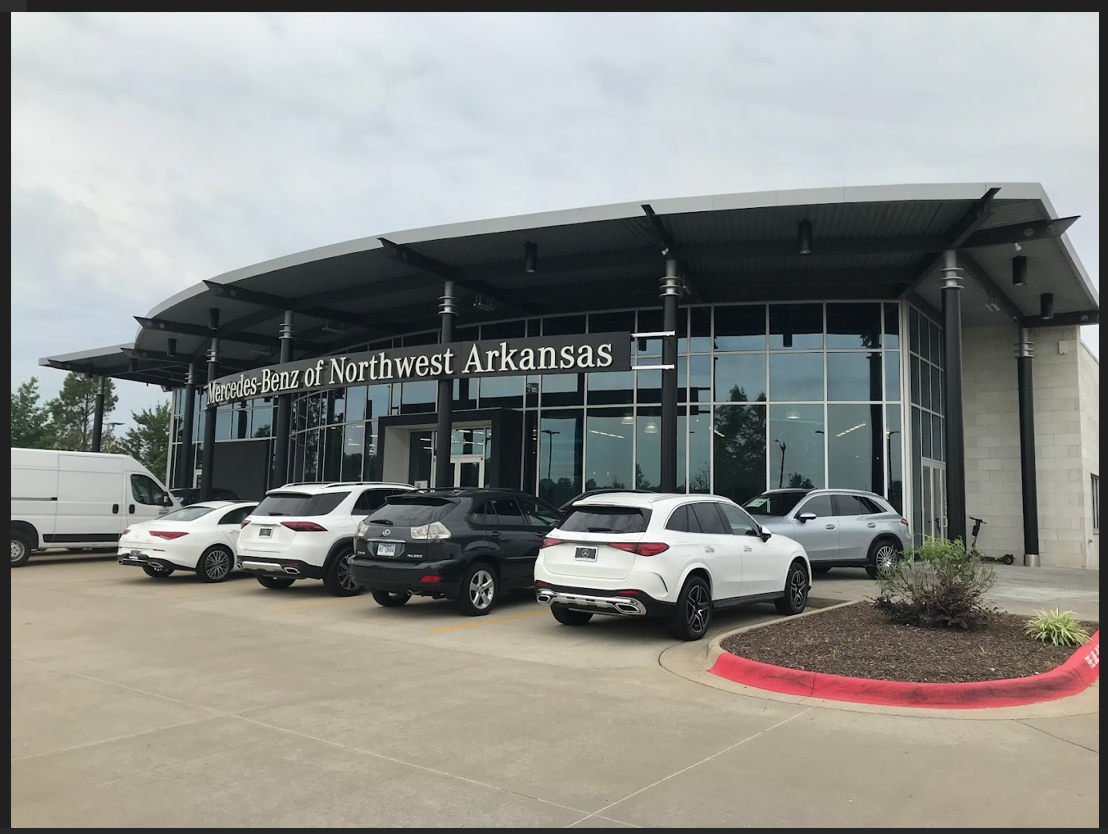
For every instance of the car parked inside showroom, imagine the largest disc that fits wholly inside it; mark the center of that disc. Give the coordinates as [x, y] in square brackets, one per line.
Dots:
[678, 557]
[469, 545]
[191, 495]
[306, 531]
[836, 527]
[200, 537]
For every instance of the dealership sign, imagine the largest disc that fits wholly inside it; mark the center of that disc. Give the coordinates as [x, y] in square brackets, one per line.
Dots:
[495, 357]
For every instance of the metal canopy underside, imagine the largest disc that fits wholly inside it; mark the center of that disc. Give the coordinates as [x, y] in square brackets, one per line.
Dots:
[868, 242]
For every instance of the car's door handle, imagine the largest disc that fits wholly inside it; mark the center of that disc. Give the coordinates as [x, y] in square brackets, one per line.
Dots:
[871, 524]
[494, 534]
[830, 526]
[115, 508]
[709, 550]
[747, 548]
[130, 508]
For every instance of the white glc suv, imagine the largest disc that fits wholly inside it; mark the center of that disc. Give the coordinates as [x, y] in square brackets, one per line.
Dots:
[680, 557]
[306, 531]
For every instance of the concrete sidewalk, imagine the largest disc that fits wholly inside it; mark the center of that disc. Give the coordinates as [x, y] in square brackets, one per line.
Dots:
[138, 702]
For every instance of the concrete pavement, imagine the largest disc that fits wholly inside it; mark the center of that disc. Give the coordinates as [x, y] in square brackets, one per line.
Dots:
[138, 702]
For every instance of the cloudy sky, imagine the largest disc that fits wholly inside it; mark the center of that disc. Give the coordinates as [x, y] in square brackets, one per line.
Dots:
[150, 151]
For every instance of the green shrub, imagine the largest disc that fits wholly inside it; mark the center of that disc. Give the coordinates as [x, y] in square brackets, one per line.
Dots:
[1057, 627]
[937, 585]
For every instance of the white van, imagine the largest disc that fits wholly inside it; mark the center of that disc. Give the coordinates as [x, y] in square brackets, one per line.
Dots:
[79, 499]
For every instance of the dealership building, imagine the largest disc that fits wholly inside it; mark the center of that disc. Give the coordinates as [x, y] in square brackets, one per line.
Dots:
[919, 341]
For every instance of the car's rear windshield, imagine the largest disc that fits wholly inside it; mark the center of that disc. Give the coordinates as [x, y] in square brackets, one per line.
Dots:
[595, 519]
[774, 503]
[187, 514]
[411, 510]
[299, 503]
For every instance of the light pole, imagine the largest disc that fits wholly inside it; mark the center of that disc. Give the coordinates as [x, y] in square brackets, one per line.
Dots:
[550, 450]
[781, 475]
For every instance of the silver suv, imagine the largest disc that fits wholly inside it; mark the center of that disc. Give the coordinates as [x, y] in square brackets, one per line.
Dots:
[837, 527]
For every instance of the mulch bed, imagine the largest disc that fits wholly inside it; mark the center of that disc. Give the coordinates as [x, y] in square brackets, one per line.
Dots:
[858, 641]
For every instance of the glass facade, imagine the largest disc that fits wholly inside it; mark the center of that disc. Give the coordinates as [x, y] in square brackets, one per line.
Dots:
[925, 384]
[770, 395]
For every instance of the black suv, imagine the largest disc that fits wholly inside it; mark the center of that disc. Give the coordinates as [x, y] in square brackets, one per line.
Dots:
[468, 545]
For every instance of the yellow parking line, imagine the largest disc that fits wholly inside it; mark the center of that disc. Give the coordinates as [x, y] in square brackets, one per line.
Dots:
[487, 622]
[315, 604]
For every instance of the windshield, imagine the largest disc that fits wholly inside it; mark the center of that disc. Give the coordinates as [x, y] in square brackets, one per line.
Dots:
[299, 503]
[411, 511]
[774, 503]
[596, 519]
[186, 514]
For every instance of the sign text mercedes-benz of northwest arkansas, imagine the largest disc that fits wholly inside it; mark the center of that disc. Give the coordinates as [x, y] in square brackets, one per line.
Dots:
[496, 357]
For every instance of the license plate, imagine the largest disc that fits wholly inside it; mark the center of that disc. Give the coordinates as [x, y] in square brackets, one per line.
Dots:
[588, 554]
[386, 549]
[265, 532]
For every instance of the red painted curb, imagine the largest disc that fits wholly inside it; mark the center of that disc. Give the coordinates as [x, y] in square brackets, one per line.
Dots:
[1073, 676]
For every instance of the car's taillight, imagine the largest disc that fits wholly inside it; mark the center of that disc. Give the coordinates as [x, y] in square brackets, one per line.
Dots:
[642, 548]
[549, 542]
[304, 526]
[125, 532]
[245, 521]
[167, 534]
[904, 521]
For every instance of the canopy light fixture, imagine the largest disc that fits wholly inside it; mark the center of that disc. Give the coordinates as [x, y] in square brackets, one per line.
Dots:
[1019, 271]
[804, 237]
[1046, 306]
[171, 350]
[530, 257]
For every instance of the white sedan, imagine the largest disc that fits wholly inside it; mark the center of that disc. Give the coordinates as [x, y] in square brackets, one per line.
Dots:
[200, 537]
[680, 557]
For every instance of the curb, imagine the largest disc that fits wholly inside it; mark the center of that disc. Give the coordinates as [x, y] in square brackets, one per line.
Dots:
[1074, 676]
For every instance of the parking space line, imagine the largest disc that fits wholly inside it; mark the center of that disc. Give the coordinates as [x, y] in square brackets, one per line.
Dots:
[486, 622]
[314, 604]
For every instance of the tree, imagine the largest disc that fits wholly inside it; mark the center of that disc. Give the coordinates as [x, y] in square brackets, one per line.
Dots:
[31, 424]
[74, 410]
[148, 441]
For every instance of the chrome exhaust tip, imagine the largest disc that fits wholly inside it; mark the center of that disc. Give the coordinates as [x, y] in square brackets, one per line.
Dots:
[292, 571]
[545, 597]
[626, 608]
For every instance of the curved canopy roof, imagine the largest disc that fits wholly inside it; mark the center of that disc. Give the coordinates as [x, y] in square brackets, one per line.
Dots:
[866, 242]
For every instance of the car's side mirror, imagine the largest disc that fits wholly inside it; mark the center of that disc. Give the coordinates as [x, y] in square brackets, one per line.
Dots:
[167, 499]
[765, 534]
[804, 517]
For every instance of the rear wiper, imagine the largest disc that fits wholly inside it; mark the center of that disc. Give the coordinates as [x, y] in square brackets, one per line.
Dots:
[383, 521]
[603, 530]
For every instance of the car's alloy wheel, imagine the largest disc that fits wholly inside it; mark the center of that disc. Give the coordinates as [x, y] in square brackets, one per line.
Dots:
[798, 589]
[19, 552]
[885, 559]
[482, 589]
[346, 579]
[216, 565]
[698, 609]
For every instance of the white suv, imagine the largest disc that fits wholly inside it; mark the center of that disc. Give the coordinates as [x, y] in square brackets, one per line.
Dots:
[680, 557]
[306, 531]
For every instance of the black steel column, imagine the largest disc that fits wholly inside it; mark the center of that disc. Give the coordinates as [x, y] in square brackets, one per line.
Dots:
[953, 417]
[98, 416]
[186, 466]
[283, 426]
[670, 292]
[207, 469]
[444, 471]
[1028, 476]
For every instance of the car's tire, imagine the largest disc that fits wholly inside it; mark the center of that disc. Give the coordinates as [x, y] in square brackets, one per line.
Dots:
[568, 616]
[21, 548]
[156, 571]
[276, 583]
[797, 585]
[479, 590]
[820, 570]
[884, 554]
[693, 615]
[389, 600]
[216, 564]
[1008, 559]
[338, 580]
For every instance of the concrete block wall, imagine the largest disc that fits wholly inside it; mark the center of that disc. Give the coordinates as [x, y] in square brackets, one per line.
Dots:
[993, 488]
[1089, 384]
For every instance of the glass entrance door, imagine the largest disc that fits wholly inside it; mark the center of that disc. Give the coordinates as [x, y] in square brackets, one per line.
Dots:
[469, 470]
[934, 499]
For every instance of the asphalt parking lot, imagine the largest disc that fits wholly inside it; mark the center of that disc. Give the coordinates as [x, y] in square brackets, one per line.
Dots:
[139, 702]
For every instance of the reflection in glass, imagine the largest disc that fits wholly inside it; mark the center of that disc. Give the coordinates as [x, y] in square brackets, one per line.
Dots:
[352, 451]
[502, 391]
[222, 422]
[649, 384]
[378, 403]
[611, 388]
[332, 464]
[369, 455]
[700, 336]
[560, 448]
[854, 376]
[609, 450]
[623, 322]
[796, 444]
[355, 404]
[563, 390]
[700, 379]
[650, 321]
[855, 447]
[741, 327]
[741, 377]
[739, 434]
[700, 450]
[936, 390]
[892, 326]
[913, 329]
[465, 393]
[500, 330]
[336, 405]
[563, 326]
[795, 326]
[894, 457]
[262, 425]
[795, 376]
[892, 375]
[853, 325]
[241, 426]
[417, 397]
[648, 449]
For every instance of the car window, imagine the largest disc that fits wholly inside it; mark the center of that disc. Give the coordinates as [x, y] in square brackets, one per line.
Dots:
[540, 515]
[850, 505]
[872, 507]
[741, 523]
[708, 517]
[599, 519]
[820, 505]
[236, 515]
[299, 503]
[370, 500]
[774, 503]
[507, 512]
[679, 520]
[146, 491]
[403, 510]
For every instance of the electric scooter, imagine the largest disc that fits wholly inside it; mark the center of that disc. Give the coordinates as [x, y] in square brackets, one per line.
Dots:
[1007, 558]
